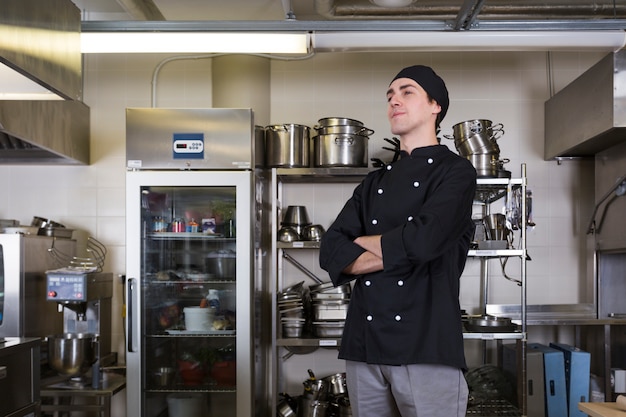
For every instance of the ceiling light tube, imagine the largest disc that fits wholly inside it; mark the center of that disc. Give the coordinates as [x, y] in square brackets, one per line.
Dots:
[194, 42]
[469, 41]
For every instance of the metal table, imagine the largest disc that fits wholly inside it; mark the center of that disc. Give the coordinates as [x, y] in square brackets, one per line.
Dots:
[63, 399]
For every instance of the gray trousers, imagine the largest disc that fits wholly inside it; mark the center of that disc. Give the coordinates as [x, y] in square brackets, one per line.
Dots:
[406, 390]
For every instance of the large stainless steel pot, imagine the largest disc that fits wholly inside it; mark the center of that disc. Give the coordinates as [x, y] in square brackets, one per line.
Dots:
[340, 151]
[72, 354]
[287, 146]
[487, 165]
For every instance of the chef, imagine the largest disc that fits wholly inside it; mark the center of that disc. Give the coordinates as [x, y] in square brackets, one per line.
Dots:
[402, 239]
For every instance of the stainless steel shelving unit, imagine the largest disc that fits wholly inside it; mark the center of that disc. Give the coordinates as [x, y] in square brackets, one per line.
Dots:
[489, 190]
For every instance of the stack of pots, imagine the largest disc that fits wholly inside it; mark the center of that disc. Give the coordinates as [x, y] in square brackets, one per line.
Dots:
[476, 140]
[330, 307]
[325, 397]
[291, 305]
[340, 142]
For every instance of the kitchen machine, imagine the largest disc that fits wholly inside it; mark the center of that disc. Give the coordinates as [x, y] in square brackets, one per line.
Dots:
[83, 299]
[195, 263]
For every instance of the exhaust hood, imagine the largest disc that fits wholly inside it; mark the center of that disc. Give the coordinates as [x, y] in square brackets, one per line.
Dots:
[44, 132]
[41, 41]
[588, 115]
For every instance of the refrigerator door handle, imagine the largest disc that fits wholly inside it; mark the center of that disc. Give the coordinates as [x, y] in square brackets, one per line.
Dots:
[131, 323]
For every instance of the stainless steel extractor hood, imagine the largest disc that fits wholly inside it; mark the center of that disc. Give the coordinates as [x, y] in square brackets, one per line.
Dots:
[44, 132]
[41, 40]
[589, 115]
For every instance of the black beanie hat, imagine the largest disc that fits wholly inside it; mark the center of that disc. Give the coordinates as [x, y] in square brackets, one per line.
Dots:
[430, 82]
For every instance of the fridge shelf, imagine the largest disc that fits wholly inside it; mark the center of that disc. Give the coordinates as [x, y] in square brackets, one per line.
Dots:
[190, 282]
[184, 333]
[188, 236]
[181, 388]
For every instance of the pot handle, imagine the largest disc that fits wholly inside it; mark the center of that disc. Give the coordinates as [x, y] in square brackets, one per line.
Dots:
[277, 128]
[497, 131]
[449, 137]
[501, 161]
[348, 140]
[364, 131]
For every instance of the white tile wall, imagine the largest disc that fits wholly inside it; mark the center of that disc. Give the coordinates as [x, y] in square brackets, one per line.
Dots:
[510, 88]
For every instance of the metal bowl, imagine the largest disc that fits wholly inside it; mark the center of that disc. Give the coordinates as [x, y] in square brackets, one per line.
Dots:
[72, 354]
[288, 234]
[313, 232]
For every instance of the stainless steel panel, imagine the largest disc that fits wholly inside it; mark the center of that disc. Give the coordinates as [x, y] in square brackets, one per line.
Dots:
[544, 311]
[612, 285]
[44, 132]
[41, 40]
[589, 115]
[610, 229]
[26, 311]
[19, 381]
[228, 136]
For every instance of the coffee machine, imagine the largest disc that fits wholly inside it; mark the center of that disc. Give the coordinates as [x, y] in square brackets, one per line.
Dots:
[84, 299]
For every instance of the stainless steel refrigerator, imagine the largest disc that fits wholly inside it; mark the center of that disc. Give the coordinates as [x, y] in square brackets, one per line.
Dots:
[195, 263]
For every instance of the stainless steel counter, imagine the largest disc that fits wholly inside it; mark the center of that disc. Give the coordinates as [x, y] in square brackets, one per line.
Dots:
[19, 376]
[58, 398]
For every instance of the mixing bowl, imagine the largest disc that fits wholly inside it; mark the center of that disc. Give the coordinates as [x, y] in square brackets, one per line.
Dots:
[72, 354]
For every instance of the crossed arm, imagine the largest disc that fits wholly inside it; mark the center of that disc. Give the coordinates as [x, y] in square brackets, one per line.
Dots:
[369, 261]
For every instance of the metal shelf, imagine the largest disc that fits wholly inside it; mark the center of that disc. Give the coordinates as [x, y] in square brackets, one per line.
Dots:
[493, 335]
[321, 342]
[300, 244]
[322, 175]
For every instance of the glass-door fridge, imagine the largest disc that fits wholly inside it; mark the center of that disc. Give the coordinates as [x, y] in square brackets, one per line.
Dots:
[192, 247]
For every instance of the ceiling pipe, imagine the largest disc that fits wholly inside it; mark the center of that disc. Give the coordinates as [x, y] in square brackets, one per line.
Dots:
[468, 14]
[494, 9]
[142, 9]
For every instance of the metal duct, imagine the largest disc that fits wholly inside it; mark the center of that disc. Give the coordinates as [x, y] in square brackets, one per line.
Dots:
[41, 40]
[492, 10]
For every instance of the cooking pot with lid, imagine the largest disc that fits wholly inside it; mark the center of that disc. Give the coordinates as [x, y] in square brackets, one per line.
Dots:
[287, 146]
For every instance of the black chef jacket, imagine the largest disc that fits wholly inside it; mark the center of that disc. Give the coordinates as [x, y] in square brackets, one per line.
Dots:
[408, 313]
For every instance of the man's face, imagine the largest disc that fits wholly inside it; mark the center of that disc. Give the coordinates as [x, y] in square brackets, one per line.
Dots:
[409, 108]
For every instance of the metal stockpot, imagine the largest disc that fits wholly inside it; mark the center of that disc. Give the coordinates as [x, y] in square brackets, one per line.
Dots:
[469, 128]
[337, 384]
[287, 146]
[340, 151]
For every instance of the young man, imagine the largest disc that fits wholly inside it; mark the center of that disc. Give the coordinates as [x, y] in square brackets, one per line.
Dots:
[402, 238]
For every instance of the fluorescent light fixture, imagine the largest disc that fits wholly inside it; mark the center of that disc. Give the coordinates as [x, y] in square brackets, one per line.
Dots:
[469, 41]
[194, 42]
[15, 86]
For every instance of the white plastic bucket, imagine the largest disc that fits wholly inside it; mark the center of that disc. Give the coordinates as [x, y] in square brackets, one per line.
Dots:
[187, 405]
[199, 318]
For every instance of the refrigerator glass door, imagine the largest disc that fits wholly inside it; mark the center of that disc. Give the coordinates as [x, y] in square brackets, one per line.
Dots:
[189, 293]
